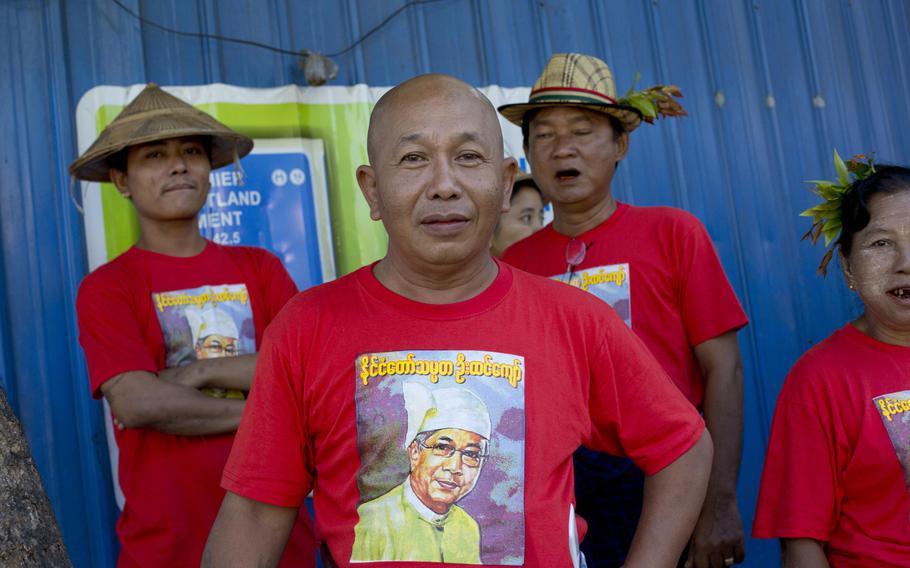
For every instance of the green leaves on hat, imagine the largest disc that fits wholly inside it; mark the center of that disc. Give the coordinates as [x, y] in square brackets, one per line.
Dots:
[655, 101]
[826, 216]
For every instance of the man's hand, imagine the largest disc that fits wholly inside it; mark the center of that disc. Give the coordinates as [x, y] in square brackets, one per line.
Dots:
[718, 539]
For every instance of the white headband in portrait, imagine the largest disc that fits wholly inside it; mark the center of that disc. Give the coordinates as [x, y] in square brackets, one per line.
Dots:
[210, 321]
[430, 410]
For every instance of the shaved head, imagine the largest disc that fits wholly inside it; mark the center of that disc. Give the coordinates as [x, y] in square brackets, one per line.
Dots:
[437, 176]
[434, 88]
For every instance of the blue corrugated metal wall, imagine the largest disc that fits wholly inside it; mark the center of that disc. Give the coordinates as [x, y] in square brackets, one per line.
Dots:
[771, 87]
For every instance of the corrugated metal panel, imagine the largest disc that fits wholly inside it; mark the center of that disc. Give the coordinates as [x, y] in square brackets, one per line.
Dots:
[771, 87]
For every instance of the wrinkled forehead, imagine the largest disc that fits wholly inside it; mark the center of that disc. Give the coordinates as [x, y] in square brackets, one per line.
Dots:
[445, 114]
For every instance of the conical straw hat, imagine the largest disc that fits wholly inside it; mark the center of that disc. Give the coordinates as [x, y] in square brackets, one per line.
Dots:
[573, 79]
[156, 115]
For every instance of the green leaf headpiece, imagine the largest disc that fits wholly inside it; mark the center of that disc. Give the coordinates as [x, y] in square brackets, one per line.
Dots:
[654, 102]
[826, 216]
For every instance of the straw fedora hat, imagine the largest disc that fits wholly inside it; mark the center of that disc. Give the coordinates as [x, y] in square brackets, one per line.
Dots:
[156, 115]
[573, 79]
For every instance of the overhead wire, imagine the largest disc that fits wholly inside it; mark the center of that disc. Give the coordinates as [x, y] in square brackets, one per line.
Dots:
[202, 35]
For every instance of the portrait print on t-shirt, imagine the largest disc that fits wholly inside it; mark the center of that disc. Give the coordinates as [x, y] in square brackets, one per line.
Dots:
[441, 437]
[894, 409]
[205, 323]
[610, 283]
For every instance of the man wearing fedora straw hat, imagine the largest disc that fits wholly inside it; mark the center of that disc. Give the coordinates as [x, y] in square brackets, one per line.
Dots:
[144, 315]
[440, 312]
[657, 267]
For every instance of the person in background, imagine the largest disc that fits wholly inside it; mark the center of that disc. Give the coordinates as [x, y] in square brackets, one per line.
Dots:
[146, 357]
[657, 267]
[326, 410]
[837, 471]
[524, 217]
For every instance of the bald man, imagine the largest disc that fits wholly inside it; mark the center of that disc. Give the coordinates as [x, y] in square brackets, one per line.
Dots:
[404, 353]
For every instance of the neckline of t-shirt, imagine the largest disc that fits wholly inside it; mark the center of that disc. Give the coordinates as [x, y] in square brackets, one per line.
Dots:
[855, 334]
[488, 298]
[147, 255]
[612, 221]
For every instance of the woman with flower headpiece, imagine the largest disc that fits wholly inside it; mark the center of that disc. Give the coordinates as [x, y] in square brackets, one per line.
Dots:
[836, 483]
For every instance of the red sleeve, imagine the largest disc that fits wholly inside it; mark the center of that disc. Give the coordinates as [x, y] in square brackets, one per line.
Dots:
[277, 285]
[801, 488]
[110, 331]
[708, 304]
[636, 410]
[268, 460]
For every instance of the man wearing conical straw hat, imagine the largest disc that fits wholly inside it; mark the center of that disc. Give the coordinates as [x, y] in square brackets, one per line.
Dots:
[657, 267]
[148, 321]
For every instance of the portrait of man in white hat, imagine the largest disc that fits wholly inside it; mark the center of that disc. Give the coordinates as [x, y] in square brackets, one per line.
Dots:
[214, 333]
[446, 443]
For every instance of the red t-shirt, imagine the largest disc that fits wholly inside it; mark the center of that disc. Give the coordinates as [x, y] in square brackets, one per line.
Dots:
[838, 463]
[138, 313]
[350, 372]
[658, 269]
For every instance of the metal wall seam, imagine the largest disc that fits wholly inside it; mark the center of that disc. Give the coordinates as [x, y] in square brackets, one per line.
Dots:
[811, 64]
[417, 21]
[601, 24]
[484, 47]
[866, 24]
[778, 173]
[751, 356]
[354, 27]
[857, 71]
[668, 130]
[94, 469]
[899, 51]
[40, 430]
[543, 30]
[285, 40]
[8, 156]
[212, 50]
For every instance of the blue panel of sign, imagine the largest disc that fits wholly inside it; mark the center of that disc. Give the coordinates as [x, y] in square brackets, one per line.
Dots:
[270, 205]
